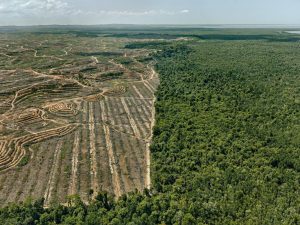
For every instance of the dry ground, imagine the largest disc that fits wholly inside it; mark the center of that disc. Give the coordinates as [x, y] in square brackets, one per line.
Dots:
[74, 118]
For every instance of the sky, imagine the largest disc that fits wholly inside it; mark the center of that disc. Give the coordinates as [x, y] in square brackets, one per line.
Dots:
[91, 12]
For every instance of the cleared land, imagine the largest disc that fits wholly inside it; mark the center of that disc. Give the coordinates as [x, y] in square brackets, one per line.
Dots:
[76, 115]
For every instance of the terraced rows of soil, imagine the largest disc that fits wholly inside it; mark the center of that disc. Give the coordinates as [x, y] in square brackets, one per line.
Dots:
[63, 133]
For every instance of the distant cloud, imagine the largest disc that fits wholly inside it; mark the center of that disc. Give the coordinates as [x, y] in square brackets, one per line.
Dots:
[67, 12]
[185, 11]
[44, 7]
[32, 6]
[142, 13]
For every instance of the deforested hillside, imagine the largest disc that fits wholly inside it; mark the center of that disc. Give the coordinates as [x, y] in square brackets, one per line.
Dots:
[76, 115]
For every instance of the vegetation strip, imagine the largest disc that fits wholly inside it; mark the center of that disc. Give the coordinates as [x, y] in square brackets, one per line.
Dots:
[75, 156]
[53, 173]
[94, 164]
[131, 120]
[138, 92]
[111, 156]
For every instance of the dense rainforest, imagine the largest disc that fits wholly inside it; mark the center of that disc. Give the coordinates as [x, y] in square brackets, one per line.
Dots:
[226, 142]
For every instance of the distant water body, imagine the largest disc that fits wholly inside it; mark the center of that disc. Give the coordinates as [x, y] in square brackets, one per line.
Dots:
[252, 26]
[293, 32]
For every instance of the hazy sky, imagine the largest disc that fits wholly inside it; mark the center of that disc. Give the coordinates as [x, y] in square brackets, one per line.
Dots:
[28, 12]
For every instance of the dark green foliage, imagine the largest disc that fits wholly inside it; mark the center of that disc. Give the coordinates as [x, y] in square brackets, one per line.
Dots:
[225, 148]
[236, 37]
[146, 35]
[125, 61]
[24, 161]
[149, 45]
[110, 75]
[227, 131]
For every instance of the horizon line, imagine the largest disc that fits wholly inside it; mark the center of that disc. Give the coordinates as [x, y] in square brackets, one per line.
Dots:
[154, 24]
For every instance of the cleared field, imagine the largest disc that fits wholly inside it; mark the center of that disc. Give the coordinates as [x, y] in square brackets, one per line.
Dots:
[76, 115]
